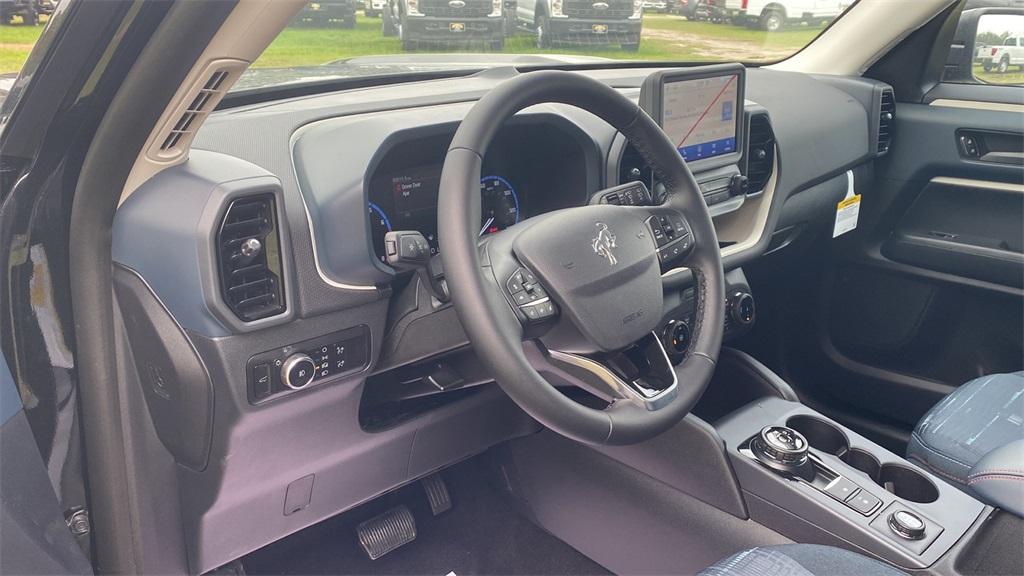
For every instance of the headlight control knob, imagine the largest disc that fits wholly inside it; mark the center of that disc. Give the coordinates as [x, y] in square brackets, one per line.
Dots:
[298, 371]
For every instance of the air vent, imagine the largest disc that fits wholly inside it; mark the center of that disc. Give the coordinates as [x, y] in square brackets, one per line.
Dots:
[760, 153]
[204, 92]
[886, 114]
[250, 258]
[201, 104]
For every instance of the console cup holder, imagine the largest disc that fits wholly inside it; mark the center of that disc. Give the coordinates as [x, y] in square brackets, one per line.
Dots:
[863, 461]
[907, 483]
[897, 479]
[820, 434]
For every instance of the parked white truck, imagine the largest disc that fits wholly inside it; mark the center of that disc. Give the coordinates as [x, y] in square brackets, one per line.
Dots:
[582, 22]
[773, 15]
[1000, 58]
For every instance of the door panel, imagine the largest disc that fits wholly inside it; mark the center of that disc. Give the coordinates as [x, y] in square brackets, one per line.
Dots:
[927, 293]
[36, 539]
[970, 228]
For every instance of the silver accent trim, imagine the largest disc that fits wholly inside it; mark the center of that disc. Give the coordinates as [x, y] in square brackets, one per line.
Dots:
[983, 184]
[309, 218]
[624, 390]
[541, 301]
[977, 105]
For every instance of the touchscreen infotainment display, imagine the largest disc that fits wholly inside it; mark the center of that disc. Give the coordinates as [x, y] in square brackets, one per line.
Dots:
[699, 115]
[700, 109]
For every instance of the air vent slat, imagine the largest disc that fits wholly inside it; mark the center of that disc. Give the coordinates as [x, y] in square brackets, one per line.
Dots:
[215, 80]
[251, 284]
[201, 105]
[760, 152]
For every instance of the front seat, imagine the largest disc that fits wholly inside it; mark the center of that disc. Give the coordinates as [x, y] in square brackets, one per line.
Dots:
[799, 560]
[975, 439]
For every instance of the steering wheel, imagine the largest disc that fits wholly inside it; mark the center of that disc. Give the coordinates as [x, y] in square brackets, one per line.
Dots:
[573, 297]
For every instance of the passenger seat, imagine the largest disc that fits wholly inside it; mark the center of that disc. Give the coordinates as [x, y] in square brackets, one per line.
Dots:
[975, 439]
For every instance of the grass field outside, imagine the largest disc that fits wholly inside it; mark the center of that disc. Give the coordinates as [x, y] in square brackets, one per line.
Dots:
[664, 38]
[1015, 75]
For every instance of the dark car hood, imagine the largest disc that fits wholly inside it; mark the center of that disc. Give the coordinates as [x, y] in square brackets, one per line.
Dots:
[256, 78]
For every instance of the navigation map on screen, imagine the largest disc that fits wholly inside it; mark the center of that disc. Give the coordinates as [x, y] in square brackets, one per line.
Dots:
[699, 115]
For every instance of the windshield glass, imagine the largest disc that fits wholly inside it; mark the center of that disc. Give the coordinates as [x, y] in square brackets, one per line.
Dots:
[348, 38]
[351, 38]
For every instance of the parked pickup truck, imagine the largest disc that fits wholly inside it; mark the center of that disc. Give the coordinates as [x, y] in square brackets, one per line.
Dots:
[374, 8]
[583, 22]
[773, 15]
[421, 23]
[328, 12]
[1000, 58]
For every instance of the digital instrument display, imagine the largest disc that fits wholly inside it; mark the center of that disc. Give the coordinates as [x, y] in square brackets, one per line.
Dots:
[700, 109]
[410, 203]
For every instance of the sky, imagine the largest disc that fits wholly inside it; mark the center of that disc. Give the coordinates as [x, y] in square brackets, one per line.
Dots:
[1000, 23]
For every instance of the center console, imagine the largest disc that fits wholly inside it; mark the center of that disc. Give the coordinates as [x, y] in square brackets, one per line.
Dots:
[816, 481]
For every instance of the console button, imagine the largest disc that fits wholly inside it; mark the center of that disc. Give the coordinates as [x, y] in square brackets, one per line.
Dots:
[907, 524]
[841, 489]
[261, 381]
[863, 502]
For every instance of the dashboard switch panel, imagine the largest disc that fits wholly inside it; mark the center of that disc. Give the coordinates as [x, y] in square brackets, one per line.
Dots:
[306, 364]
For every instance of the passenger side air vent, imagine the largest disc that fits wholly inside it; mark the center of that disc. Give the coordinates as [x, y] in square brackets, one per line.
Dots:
[249, 254]
[760, 153]
[886, 114]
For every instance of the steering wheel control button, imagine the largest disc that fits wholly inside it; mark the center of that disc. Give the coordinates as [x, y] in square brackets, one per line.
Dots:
[529, 296]
[298, 371]
[671, 235]
[841, 488]
[907, 525]
[864, 502]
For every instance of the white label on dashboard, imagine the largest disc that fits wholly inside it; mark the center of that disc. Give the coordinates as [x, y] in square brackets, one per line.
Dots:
[848, 210]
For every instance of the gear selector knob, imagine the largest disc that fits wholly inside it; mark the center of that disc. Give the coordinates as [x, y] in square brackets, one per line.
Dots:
[781, 448]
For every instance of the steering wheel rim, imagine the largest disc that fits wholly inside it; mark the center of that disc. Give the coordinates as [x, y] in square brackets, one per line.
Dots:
[492, 325]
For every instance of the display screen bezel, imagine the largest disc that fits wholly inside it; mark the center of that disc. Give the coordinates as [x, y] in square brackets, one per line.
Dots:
[651, 100]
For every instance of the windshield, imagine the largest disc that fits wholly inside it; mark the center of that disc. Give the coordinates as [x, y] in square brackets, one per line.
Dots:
[350, 38]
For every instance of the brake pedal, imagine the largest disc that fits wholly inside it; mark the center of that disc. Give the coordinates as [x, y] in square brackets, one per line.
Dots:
[387, 532]
[437, 494]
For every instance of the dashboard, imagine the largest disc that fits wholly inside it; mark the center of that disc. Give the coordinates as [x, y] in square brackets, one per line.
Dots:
[314, 341]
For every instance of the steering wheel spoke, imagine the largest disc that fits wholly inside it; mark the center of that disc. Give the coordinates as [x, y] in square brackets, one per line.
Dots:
[641, 374]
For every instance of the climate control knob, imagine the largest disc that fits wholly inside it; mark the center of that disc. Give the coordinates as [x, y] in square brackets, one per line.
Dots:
[298, 371]
[741, 308]
[676, 338]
